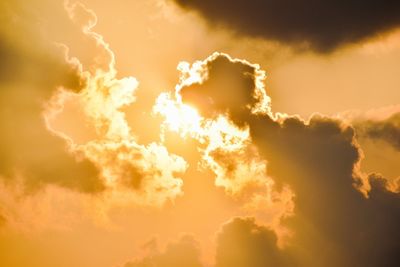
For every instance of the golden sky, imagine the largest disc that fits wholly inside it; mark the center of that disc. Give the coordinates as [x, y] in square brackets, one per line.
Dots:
[176, 133]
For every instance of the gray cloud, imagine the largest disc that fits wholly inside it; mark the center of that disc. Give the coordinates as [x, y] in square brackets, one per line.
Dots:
[237, 93]
[387, 130]
[321, 25]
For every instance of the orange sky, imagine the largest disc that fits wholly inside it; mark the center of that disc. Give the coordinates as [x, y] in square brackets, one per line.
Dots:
[91, 172]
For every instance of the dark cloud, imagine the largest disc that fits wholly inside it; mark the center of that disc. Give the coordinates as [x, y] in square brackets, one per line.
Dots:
[387, 130]
[318, 161]
[322, 25]
[334, 224]
[233, 98]
[31, 68]
[242, 242]
[224, 92]
[183, 253]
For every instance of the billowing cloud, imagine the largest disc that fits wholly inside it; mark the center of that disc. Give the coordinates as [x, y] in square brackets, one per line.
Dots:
[223, 134]
[292, 191]
[319, 159]
[234, 98]
[320, 25]
[133, 172]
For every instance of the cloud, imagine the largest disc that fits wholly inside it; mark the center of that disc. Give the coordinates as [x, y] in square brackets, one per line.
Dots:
[387, 130]
[223, 134]
[132, 172]
[376, 130]
[43, 87]
[333, 223]
[241, 242]
[30, 72]
[242, 92]
[297, 179]
[320, 25]
[52, 208]
[319, 161]
[182, 253]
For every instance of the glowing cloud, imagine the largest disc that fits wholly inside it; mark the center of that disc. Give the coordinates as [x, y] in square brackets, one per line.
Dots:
[319, 158]
[132, 173]
[87, 162]
[227, 148]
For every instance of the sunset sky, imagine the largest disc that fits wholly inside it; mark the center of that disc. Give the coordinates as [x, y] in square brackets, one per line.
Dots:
[199, 133]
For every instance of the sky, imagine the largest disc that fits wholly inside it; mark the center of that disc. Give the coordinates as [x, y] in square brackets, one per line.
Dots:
[177, 133]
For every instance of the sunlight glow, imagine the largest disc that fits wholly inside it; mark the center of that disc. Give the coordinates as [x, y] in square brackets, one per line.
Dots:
[215, 133]
[178, 117]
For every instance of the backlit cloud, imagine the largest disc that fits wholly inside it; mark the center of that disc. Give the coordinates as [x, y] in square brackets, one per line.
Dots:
[318, 158]
[105, 144]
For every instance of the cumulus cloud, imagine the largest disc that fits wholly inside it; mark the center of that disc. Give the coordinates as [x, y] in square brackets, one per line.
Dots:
[223, 134]
[333, 224]
[297, 180]
[320, 25]
[43, 87]
[234, 98]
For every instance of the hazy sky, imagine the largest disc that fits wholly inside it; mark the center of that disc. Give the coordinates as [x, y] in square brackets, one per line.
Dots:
[199, 133]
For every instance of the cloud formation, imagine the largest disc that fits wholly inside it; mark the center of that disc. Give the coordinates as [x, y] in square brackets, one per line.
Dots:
[320, 25]
[296, 182]
[334, 224]
[134, 173]
[233, 98]
[223, 135]
[29, 74]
